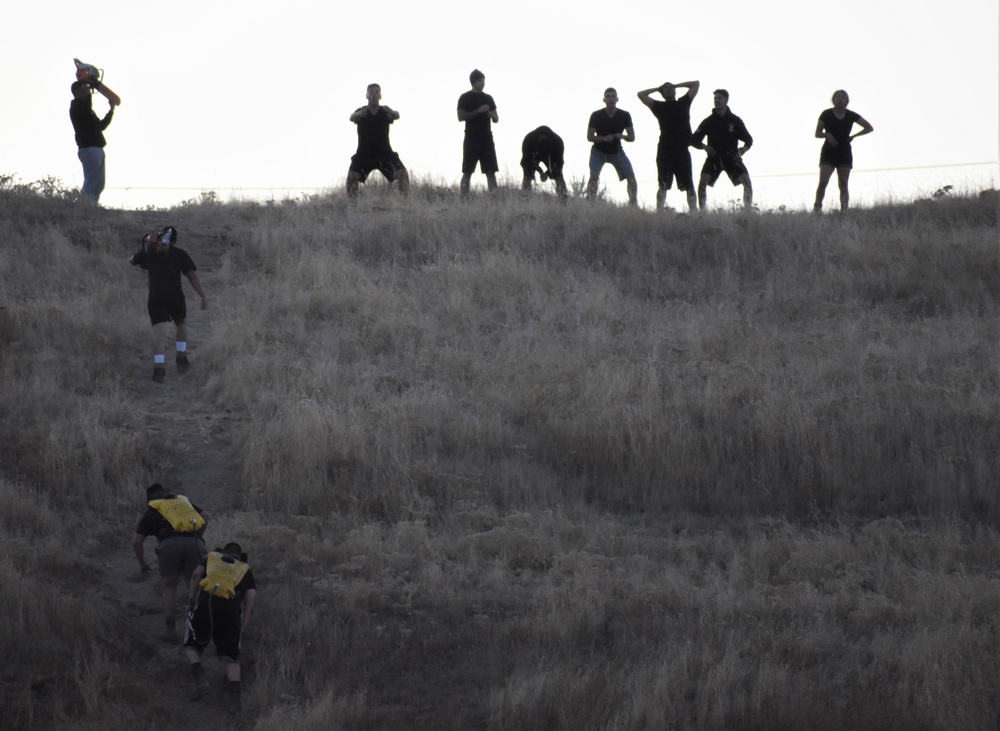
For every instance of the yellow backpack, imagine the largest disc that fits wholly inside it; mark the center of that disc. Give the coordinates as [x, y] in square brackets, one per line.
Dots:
[179, 512]
[222, 575]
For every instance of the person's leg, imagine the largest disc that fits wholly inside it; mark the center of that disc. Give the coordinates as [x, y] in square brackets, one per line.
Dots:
[661, 196]
[353, 181]
[561, 187]
[491, 181]
[92, 159]
[825, 172]
[402, 180]
[169, 599]
[747, 190]
[596, 163]
[159, 345]
[843, 175]
[703, 192]
[633, 190]
[235, 687]
[692, 199]
[464, 185]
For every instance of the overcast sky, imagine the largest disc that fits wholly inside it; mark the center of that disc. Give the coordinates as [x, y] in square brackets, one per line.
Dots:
[222, 95]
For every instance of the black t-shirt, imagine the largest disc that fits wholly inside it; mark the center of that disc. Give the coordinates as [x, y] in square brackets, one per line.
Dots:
[675, 121]
[839, 128]
[479, 125]
[605, 125]
[724, 132]
[373, 132]
[165, 271]
[87, 127]
[542, 145]
[152, 523]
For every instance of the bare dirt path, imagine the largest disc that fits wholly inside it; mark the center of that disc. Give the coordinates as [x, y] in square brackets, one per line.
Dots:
[197, 462]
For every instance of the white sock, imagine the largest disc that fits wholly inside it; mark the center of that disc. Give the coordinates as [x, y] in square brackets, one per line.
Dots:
[181, 346]
[158, 359]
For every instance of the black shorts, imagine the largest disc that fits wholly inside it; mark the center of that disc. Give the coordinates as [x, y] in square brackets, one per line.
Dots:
[728, 161]
[481, 151]
[180, 556]
[387, 163]
[840, 156]
[167, 309]
[674, 162]
[215, 620]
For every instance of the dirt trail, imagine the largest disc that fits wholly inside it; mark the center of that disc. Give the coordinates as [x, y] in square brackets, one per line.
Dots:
[196, 462]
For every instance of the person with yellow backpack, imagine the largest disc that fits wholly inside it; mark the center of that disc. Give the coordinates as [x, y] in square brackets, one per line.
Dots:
[222, 592]
[178, 525]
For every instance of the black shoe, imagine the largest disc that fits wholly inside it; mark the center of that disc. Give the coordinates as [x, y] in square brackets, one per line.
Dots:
[201, 689]
[235, 703]
[183, 364]
[159, 373]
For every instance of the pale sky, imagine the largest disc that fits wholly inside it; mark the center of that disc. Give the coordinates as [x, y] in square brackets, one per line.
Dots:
[223, 95]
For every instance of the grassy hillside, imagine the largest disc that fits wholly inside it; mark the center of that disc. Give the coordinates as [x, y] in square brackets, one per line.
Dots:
[511, 464]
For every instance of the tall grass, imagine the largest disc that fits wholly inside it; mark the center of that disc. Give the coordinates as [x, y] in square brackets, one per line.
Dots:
[515, 464]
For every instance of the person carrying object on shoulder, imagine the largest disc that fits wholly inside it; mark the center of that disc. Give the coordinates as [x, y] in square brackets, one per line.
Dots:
[165, 261]
[88, 129]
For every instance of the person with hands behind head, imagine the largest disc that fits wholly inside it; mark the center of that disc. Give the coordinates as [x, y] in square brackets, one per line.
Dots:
[834, 128]
[607, 129]
[374, 151]
[673, 154]
[479, 112]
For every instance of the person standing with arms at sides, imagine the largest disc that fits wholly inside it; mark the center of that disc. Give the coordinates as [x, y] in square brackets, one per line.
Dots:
[725, 131]
[374, 151]
[89, 132]
[607, 129]
[479, 112]
[834, 126]
[673, 154]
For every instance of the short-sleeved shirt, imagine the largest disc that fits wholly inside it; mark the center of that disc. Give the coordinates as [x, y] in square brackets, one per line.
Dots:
[542, 146]
[152, 523]
[479, 125]
[373, 133]
[839, 128]
[724, 133]
[605, 125]
[165, 271]
[674, 117]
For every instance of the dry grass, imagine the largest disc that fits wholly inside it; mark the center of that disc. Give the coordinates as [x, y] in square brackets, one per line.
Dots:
[512, 464]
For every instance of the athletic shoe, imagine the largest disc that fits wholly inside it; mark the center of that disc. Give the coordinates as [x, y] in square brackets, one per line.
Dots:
[235, 702]
[159, 373]
[183, 364]
[201, 689]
